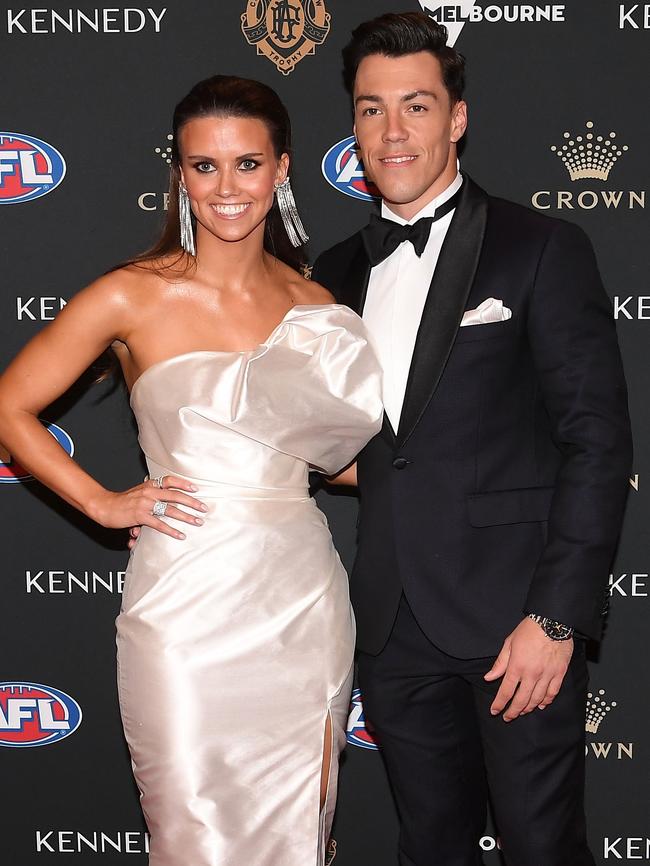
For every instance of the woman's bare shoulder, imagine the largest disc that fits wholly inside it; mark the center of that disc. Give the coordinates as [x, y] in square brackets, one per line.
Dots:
[136, 283]
[306, 291]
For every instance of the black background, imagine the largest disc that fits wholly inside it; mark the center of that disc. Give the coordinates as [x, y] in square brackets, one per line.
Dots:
[105, 102]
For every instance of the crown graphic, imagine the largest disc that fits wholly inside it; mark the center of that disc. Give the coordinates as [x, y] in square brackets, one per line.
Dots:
[165, 153]
[589, 154]
[597, 709]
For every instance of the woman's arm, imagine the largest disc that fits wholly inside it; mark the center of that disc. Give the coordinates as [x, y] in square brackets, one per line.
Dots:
[47, 366]
[348, 476]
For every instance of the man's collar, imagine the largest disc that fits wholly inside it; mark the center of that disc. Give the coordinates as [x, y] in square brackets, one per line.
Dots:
[429, 209]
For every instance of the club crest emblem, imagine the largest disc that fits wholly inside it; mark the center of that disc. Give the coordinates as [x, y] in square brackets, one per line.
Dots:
[285, 31]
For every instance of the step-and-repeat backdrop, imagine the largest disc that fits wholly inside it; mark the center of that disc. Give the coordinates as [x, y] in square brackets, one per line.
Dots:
[87, 93]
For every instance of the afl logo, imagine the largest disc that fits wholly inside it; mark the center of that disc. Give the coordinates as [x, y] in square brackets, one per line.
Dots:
[357, 732]
[29, 168]
[35, 715]
[343, 169]
[11, 472]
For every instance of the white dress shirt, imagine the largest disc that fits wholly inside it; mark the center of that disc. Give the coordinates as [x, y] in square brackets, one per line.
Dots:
[397, 292]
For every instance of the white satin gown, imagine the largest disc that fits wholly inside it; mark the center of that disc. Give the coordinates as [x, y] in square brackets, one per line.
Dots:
[235, 645]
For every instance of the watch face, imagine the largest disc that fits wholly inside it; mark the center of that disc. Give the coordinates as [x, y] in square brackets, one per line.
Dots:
[557, 630]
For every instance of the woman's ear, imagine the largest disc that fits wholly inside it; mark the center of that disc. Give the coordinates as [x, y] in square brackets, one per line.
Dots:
[283, 169]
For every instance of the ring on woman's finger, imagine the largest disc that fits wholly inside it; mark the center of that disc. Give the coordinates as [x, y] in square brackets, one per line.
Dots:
[158, 481]
[159, 508]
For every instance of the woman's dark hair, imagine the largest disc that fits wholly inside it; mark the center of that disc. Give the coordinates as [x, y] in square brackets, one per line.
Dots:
[397, 34]
[227, 96]
[219, 96]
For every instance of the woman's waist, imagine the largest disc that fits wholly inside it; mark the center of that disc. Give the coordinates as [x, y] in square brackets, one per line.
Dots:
[296, 487]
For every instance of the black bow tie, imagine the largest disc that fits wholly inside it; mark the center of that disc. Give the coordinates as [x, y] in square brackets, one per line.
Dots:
[381, 237]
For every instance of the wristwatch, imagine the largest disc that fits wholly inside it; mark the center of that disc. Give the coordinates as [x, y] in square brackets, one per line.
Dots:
[551, 627]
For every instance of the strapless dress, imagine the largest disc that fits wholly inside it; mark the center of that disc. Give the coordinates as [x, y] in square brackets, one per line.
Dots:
[236, 645]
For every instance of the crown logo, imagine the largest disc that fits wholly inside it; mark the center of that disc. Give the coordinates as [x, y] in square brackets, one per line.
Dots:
[597, 709]
[589, 155]
[165, 153]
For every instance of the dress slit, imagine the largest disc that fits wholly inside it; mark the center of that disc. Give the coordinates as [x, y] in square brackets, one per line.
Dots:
[337, 715]
[326, 813]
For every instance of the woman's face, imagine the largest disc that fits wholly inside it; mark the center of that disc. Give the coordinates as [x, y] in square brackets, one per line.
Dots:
[230, 172]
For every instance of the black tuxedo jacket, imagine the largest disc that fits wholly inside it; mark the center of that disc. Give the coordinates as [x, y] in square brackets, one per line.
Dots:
[503, 490]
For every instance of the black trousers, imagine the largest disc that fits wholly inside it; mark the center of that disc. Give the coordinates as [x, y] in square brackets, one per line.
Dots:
[445, 753]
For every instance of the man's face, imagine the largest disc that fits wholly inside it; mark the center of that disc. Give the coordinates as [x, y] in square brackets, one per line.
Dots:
[407, 128]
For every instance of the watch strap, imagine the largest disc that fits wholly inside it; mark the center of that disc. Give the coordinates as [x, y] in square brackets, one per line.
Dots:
[551, 627]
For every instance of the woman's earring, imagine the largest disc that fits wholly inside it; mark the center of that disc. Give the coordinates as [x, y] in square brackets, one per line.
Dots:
[289, 213]
[185, 218]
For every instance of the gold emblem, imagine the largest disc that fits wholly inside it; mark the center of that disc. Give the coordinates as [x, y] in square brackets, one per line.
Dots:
[330, 853]
[589, 154]
[285, 31]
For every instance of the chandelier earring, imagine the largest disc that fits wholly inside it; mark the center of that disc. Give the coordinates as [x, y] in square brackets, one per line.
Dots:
[289, 213]
[185, 219]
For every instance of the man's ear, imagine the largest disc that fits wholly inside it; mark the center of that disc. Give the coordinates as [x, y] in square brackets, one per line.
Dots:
[458, 121]
[354, 132]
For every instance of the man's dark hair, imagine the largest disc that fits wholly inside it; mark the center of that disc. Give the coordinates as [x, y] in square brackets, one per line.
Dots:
[398, 34]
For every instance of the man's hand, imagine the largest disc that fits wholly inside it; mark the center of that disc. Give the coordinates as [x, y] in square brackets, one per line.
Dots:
[533, 668]
[134, 534]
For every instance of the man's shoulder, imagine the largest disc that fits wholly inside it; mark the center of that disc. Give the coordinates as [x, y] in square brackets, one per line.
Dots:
[342, 252]
[526, 222]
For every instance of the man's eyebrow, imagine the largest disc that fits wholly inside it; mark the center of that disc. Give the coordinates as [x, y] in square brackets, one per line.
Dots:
[414, 95]
[367, 98]
[371, 97]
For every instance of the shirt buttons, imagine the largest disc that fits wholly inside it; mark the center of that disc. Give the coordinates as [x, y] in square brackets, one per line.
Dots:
[400, 463]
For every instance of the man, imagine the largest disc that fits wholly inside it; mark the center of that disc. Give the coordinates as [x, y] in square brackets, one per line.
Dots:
[492, 499]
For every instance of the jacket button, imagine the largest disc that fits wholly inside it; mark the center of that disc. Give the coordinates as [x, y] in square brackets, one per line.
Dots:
[400, 463]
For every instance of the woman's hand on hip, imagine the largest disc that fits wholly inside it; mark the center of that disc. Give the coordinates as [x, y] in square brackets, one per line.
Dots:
[147, 503]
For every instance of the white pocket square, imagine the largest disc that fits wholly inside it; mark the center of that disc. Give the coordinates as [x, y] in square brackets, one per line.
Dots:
[491, 310]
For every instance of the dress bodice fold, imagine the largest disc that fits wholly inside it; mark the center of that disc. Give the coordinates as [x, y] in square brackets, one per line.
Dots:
[309, 395]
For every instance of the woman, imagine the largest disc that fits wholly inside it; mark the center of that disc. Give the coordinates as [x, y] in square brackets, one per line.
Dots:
[235, 638]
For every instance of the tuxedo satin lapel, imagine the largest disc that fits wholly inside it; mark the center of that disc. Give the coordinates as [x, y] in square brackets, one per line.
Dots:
[446, 301]
[355, 282]
[353, 294]
[387, 431]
